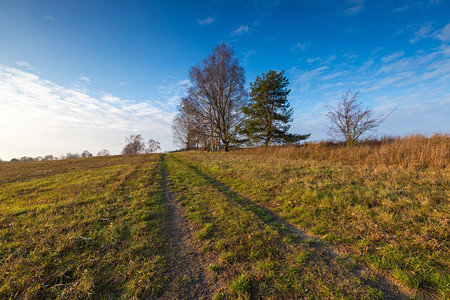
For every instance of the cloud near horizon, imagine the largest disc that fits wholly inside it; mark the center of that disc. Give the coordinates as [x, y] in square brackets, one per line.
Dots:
[52, 119]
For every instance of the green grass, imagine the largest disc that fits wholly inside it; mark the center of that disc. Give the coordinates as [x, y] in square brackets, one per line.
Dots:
[395, 219]
[75, 229]
[256, 255]
[97, 227]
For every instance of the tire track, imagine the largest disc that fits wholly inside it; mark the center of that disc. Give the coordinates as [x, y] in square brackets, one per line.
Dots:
[188, 274]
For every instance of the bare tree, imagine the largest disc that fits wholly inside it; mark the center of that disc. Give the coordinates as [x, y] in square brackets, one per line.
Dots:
[188, 129]
[70, 155]
[86, 154]
[217, 94]
[104, 152]
[48, 157]
[152, 146]
[135, 145]
[349, 121]
[26, 158]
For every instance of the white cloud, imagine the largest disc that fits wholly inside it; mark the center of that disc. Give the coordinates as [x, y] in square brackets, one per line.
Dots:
[172, 91]
[240, 30]
[353, 7]
[183, 82]
[422, 32]
[25, 65]
[417, 4]
[301, 46]
[206, 21]
[40, 117]
[322, 60]
[85, 79]
[50, 18]
[246, 56]
[443, 34]
[390, 57]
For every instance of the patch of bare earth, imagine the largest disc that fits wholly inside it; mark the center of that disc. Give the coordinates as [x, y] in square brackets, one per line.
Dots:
[189, 277]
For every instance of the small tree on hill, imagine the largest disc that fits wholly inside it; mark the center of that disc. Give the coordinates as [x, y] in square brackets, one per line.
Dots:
[152, 146]
[268, 113]
[104, 152]
[86, 153]
[135, 145]
[349, 121]
[49, 157]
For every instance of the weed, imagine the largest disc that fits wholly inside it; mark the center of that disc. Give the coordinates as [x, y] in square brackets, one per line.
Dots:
[302, 257]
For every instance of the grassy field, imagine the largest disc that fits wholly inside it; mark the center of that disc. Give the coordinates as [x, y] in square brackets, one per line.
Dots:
[392, 216]
[264, 223]
[78, 228]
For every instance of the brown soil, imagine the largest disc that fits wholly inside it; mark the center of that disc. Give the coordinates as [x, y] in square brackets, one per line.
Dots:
[189, 277]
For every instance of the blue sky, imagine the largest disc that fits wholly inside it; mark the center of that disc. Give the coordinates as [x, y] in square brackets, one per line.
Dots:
[78, 75]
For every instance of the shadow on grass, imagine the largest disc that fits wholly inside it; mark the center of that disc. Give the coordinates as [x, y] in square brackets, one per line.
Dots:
[322, 254]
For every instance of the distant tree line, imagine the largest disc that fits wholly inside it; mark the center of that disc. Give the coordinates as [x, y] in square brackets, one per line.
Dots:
[218, 112]
[68, 155]
[135, 144]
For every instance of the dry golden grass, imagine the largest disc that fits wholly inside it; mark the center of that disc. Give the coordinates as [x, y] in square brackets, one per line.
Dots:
[415, 151]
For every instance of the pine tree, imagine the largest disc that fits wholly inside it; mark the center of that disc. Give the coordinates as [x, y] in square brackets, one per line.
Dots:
[268, 112]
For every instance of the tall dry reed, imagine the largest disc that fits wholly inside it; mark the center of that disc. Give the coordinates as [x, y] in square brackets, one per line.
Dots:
[414, 151]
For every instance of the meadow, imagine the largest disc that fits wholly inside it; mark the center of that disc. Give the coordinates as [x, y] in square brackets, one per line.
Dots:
[316, 221]
[73, 229]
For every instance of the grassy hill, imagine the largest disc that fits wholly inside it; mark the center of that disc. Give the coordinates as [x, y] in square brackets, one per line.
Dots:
[283, 222]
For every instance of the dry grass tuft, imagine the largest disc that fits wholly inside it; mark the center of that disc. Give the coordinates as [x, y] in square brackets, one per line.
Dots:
[414, 151]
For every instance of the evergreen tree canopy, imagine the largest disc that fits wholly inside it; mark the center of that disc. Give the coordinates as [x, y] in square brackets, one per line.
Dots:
[268, 112]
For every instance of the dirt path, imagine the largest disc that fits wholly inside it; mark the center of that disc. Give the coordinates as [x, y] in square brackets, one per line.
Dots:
[189, 277]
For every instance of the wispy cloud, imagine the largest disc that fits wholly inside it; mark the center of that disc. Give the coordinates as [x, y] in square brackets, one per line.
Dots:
[423, 32]
[416, 84]
[53, 119]
[301, 46]
[206, 21]
[443, 34]
[240, 30]
[85, 79]
[416, 4]
[171, 91]
[25, 65]
[353, 7]
[321, 60]
[247, 56]
[50, 18]
[392, 56]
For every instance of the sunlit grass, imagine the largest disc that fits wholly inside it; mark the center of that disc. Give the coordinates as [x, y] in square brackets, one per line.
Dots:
[392, 217]
[75, 229]
[255, 254]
